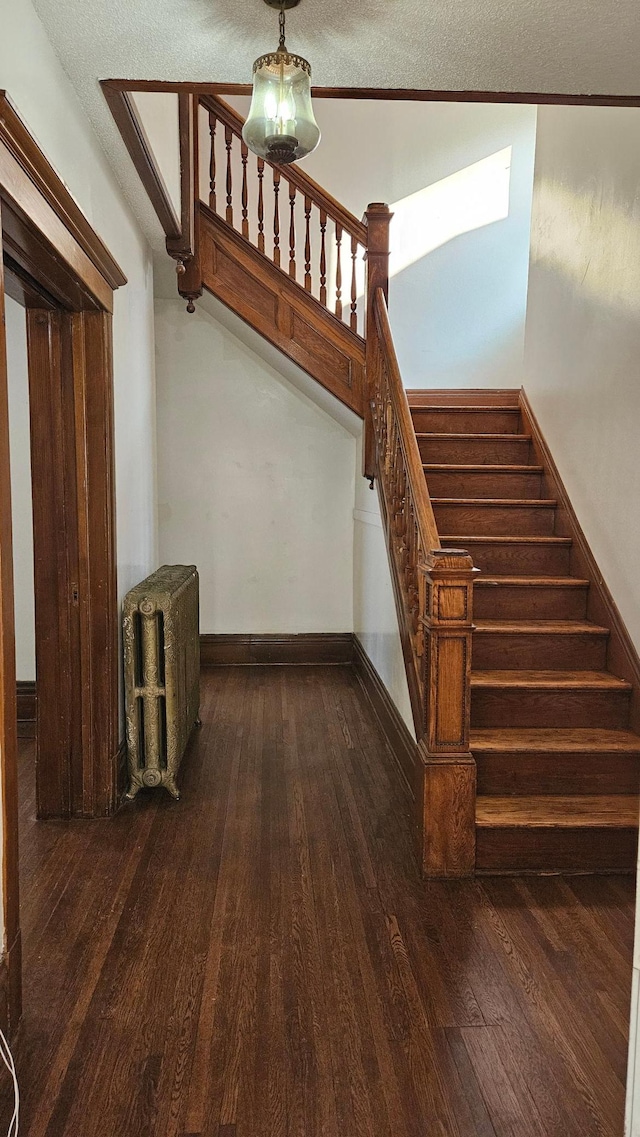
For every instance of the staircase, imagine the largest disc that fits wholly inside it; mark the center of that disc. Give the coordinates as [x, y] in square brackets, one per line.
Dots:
[524, 685]
[557, 763]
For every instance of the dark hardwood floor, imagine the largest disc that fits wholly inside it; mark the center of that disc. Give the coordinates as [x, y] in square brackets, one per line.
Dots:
[261, 959]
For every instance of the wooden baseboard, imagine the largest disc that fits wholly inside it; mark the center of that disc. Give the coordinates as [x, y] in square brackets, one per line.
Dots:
[26, 703]
[398, 735]
[280, 650]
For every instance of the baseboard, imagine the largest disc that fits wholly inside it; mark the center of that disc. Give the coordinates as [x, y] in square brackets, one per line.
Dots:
[280, 650]
[397, 733]
[26, 704]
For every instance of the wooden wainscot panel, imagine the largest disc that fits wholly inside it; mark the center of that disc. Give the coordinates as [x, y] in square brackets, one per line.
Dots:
[323, 355]
[240, 287]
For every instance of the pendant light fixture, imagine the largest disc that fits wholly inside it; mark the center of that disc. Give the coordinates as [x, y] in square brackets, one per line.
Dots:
[281, 126]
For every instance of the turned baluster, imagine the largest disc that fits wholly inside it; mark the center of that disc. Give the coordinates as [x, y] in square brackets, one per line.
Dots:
[260, 205]
[339, 271]
[276, 216]
[307, 244]
[245, 192]
[354, 285]
[213, 122]
[323, 257]
[228, 135]
[292, 232]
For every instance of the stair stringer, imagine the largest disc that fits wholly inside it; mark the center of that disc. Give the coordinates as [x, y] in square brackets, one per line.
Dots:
[281, 310]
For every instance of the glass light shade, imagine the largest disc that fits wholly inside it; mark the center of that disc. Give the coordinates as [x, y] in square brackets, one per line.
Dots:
[281, 126]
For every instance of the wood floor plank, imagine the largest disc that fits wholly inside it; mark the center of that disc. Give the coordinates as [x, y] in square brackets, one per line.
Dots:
[262, 959]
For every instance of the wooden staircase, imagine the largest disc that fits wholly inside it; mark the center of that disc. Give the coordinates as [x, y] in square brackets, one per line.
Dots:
[524, 684]
[557, 763]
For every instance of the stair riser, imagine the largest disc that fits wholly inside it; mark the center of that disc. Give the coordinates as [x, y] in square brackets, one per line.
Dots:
[465, 484]
[493, 651]
[540, 772]
[519, 560]
[446, 421]
[499, 521]
[490, 451]
[531, 707]
[535, 850]
[506, 602]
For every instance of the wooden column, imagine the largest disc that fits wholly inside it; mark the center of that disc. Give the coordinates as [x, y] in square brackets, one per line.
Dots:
[186, 249]
[447, 775]
[378, 219]
[10, 967]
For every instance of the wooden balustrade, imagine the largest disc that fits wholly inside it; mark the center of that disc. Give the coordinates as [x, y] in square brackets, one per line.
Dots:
[434, 594]
[324, 245]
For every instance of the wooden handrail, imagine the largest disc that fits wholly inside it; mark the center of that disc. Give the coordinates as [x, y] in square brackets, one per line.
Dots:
[434, 600]
[293, 173]
[425, 520]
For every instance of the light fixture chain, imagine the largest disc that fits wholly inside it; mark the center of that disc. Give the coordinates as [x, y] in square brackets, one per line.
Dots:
[282, 36]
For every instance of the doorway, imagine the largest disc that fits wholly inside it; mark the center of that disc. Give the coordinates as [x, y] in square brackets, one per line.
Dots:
[56, 267]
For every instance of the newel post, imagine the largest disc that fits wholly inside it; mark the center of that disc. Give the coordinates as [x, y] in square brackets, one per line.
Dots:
[446, 768]
[378, 219]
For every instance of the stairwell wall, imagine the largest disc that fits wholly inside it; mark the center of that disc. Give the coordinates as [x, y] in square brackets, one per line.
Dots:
[582, 357]
[459, 178]
[256, 483]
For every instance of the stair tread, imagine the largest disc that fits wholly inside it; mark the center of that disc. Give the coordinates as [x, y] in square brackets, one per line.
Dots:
[532, 581]
[481, 468]
[493, 538]
[440, 435]
[462, 408]
[499, 502]
[541, 627]
[487, 739]
[613, 811]
[597, 680]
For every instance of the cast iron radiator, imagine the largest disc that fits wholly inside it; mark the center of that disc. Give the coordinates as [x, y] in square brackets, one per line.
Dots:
[162, 674]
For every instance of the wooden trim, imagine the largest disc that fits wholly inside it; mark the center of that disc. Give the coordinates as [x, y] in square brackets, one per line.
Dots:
[26, 705]
[294, 174]
[135, 139]
[402, 94]
[11, 988]
[401, 742]
[183, 247]
[622, 657]
[16, 141]
[8, 710]
[282, 650]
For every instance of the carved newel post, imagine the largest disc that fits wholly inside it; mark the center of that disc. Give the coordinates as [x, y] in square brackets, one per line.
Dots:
[378, 219]
[446, 768]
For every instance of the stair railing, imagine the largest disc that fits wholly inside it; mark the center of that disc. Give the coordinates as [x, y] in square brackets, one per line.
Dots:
[284, 214]
[433, 591]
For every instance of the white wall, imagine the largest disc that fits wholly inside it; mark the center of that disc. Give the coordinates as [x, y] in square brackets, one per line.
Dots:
[459, 177]
[582, 355]
[43, 96]
[21, 490]
[374, 614]
[255, 484]
[583, 327]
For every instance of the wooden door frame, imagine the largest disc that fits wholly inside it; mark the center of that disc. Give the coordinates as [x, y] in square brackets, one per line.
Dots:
[57, 266]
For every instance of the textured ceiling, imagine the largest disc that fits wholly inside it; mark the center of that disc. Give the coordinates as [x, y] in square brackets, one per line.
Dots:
[564, 46]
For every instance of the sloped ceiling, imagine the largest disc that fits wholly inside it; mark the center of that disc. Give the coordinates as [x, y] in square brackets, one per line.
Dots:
[563, 46]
